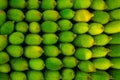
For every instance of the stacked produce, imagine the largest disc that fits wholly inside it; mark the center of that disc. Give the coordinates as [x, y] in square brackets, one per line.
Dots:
[59, 39]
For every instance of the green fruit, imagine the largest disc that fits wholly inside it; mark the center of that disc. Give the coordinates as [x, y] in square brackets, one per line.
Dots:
[114, 50]
[49, 27]
[36, 64]
[35, 75]
[69, 62]
[80, 28]
[52, 75]
[98, 5]
[3, 42]
[67, 13]
[86, 66]
[80, 75]
[33, 4]
[83, 54]
[53, 63]
[68, 74]
[112, 27]
[2, 16]
[115, 38]
[115, 62]
[34, 27]
[99, 51]
[53, 15]
[82, 16]
[33, 51]
[19, 64]
[101, 17]
[33, 39]
[115, 14]
[66, 36]
[80, 4]
[33, 16]
[51, 50]
[48, 4]
[15, 50]
[69, 51]
[21, 27]
[3, 4]
[16, 38]
[4, 57]
[84, 40]
[65, 25]
[102, 63]
[17, 76]
[4, 76]
[64, 4]
[50, 39]
[15, 15]
[101, 39]
[18, 4]
[112, 5]
[115, 74]
[5, 68]
[7, 28]
[95, 28]
[100, 75]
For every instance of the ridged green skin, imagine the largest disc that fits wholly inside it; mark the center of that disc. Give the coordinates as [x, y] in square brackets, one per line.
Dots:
[115, 38]
[112, 27]
[115, 63]
[3, 4]
[15, 50]
[80, 75]
[4, 57]
[49, 27]
[29, 50]
[101, 17]
[98, 5]
[68, 74]
[7, 28]
[115, 14]
[36, 64]
[18, 4]
[17, 76]
[84, 40]
[16, 38]
[19, 64]
[69, 51]
[53, 63]
[49, 39]
[33, 16]
[33, 39]
[15, 15]
[80, 4]
[51, 50]
[115, 74]
[100, 75]
[38, 75]
[33, 4]
[5, 68]
[3, 42]
[66, 36]
[53, 15]
[48, 4]
[4, 76]
[64, 4]
[3, 17]
[21, 27]
[52, 75]
[69, 62]
[34, 27]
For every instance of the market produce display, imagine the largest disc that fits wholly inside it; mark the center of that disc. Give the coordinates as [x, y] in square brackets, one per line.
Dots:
[59, 39]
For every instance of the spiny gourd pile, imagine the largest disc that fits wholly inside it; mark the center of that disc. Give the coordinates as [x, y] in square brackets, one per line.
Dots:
[60, 40]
